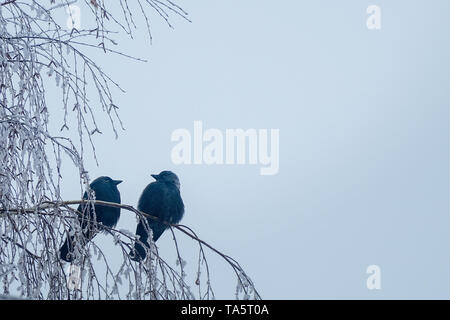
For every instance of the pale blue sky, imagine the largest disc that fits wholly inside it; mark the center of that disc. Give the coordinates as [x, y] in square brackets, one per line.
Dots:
[364, 141]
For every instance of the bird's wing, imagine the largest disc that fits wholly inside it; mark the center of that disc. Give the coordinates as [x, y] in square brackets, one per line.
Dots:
[152, 199]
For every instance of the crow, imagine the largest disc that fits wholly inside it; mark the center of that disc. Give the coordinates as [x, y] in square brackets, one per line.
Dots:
[160, 199]
[105, 189]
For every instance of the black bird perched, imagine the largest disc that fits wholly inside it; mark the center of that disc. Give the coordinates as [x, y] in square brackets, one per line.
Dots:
[160, 199]
[105, 189]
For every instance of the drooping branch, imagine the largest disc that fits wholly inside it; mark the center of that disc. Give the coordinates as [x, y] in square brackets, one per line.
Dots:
[244, 282]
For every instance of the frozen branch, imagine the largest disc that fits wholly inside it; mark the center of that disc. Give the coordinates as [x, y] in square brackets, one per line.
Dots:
[40, 57]
[51, 210]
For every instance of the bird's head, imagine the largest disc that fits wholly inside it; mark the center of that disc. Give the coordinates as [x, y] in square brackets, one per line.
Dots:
[168, 177]
[108, 180]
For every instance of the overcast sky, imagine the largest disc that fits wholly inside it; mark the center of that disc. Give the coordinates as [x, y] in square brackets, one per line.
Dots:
[364, 141]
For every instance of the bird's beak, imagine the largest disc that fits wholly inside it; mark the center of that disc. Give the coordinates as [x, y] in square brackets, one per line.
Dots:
[155, 176]
[116, 182]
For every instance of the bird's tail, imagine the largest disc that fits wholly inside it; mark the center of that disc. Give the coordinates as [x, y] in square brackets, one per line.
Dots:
[138, 253]
[66, 251]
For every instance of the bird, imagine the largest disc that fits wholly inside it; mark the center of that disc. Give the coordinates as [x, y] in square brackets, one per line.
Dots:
[105, 189]
[161, 199]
